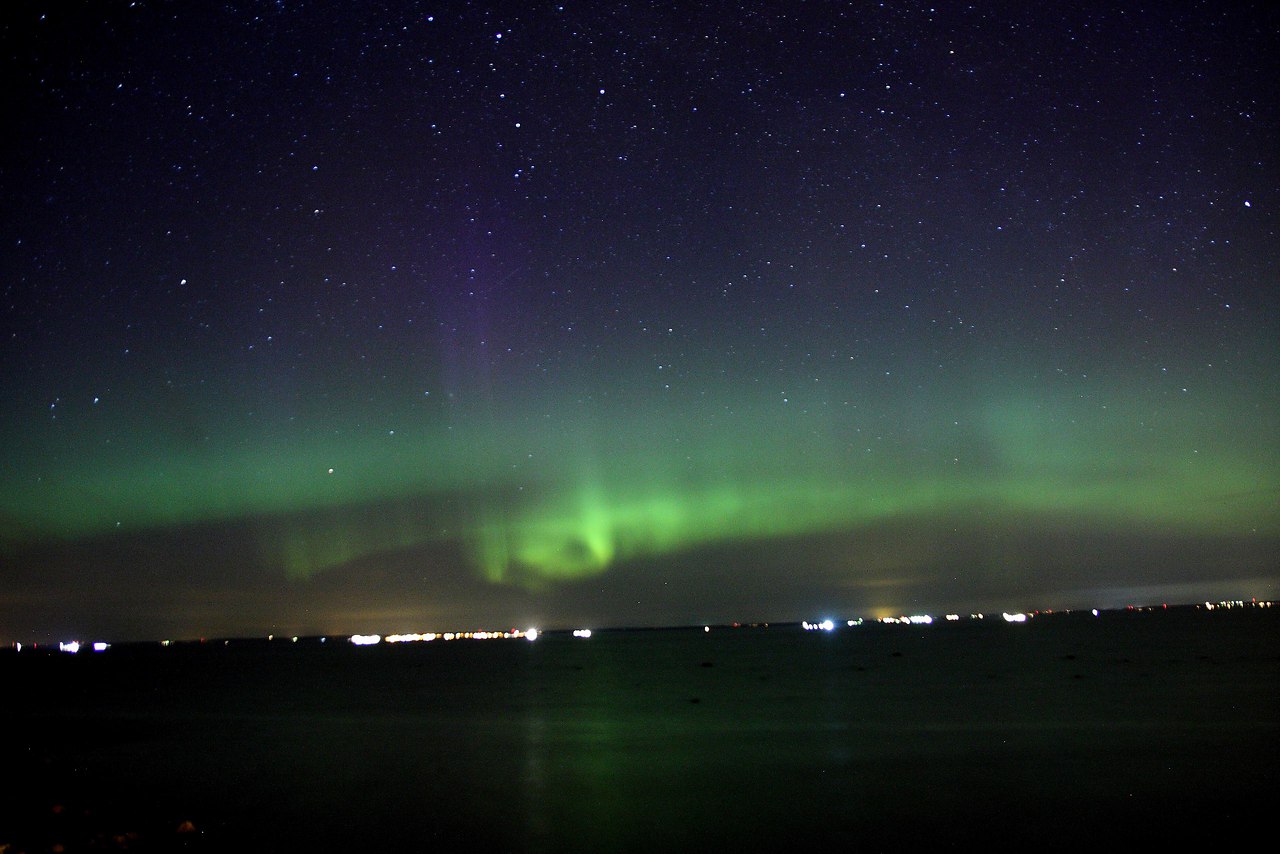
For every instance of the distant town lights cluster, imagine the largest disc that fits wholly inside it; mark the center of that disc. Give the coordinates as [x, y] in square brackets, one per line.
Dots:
[75, 646]
[824, 625]
[416, 637]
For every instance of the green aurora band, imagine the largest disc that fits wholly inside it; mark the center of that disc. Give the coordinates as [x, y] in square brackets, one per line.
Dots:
[532, 506]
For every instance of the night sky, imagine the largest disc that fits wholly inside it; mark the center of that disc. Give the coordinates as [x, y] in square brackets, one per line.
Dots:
[325, 318]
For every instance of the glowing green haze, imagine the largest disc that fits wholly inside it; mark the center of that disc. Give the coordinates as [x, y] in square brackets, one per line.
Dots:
[533, 507]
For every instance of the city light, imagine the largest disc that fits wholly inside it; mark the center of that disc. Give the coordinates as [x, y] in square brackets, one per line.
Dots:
[826, 624]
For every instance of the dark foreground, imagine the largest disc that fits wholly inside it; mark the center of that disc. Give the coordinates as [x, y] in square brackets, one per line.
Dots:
[1129, 729]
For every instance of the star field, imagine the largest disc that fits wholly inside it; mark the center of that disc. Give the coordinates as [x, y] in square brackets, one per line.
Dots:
[612, 313]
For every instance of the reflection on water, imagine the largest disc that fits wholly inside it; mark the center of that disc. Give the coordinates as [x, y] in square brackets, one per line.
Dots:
[880, 735]
[534, 779]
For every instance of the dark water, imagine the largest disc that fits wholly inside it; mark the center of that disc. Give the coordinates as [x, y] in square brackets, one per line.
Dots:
[1068, 731]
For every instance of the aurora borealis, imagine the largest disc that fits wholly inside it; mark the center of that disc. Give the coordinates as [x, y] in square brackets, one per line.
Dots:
[325, 320]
